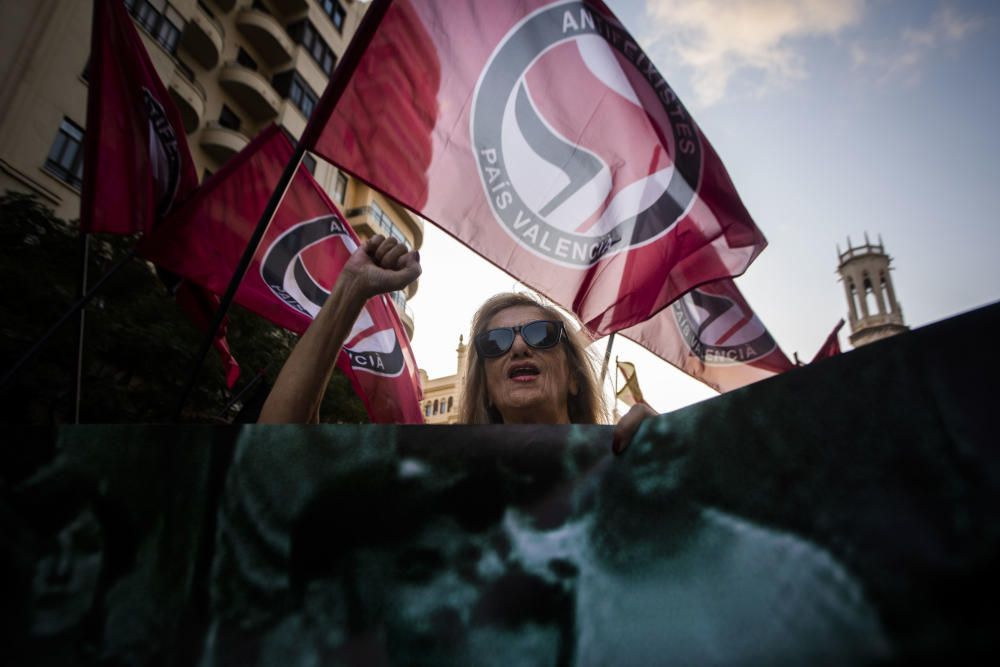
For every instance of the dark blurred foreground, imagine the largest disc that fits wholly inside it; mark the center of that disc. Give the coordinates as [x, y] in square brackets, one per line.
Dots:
[843, 513]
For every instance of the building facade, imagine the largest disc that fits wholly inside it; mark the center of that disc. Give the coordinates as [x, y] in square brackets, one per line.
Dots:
[443, 395]
[233, 67]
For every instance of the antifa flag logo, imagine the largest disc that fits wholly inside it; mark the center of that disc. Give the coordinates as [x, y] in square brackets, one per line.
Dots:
[164, 154]
[719, 331]
[371, 345]
[583, 149]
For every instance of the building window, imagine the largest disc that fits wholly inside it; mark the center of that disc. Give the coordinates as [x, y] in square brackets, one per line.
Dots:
[160, 20]
[306, 34]
[427, 409]
[386, 223]
[310, 162]
[245, 59]
[229, 119]
[340, 189]
[302, 95]
[292, 86]
[336, 13]
[450, 400]
[65, 160]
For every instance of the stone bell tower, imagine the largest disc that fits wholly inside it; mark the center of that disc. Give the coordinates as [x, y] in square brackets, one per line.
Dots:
[462, 352]
[872, 309]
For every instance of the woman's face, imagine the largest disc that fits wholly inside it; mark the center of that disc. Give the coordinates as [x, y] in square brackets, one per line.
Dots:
[528, 385]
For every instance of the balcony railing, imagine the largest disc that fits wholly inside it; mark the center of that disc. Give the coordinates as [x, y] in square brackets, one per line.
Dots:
[203, 38]
[266, 35]
[250, 90]
[221, 143]
[190, 98]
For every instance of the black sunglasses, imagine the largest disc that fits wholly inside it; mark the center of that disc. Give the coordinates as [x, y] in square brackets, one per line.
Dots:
[540, 334]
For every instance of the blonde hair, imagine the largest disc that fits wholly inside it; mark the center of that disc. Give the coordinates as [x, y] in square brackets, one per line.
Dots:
[586, 407]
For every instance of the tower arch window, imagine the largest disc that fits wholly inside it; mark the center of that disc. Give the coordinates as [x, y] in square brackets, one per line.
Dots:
[871, 302]
[885, 292]
[855, 301]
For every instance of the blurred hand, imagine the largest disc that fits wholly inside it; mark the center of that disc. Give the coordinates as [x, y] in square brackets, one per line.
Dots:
[381, 265]
[629, 424]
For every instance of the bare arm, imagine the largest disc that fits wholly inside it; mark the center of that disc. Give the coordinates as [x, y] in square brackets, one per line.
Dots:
[380, 265]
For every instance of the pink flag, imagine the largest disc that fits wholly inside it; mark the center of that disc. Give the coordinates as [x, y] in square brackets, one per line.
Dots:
[713, 335]
[539, 134]
[136, 160]
[295, 267]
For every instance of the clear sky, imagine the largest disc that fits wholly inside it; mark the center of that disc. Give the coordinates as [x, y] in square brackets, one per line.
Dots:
[833, 117]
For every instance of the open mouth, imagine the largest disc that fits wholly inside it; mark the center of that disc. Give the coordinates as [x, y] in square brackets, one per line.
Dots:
[523, 372]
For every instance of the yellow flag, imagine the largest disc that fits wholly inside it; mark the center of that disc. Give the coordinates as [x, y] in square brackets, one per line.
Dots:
[629, 394]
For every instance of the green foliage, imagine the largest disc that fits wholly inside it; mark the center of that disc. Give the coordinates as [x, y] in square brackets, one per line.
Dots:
[139, 347]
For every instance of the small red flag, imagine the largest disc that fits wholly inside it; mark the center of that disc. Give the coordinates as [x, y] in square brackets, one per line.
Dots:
[831, 346]
[289, 279]
[200, 306]
[137, 165]
[541, 136]
[713, 335]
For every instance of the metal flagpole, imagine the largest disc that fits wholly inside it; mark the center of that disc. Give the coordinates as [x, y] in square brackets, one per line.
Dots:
[78, 377]
[73, 309]
[335, 89]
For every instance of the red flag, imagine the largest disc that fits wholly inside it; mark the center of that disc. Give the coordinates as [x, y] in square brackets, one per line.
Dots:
[297, 263]
[137, 165]
[200, 306]
[540, 135]
[136, 160]
[713, 335]
[831, 347]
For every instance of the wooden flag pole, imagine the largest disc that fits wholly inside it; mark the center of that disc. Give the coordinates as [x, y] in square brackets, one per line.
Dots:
[341, 76]
[614, 400]
[607, 359]
[616, 378]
